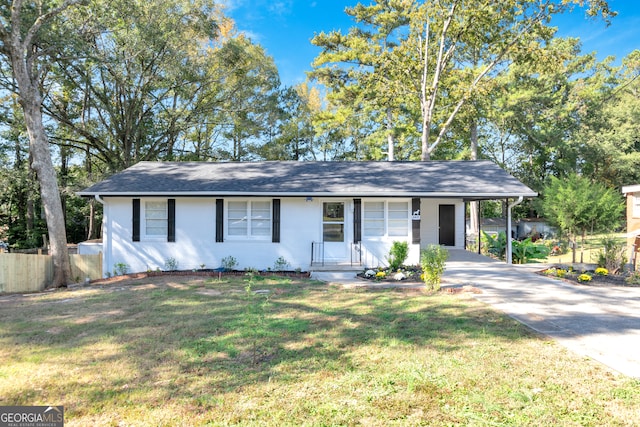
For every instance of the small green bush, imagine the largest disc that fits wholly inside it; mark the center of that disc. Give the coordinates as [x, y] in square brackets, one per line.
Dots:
[229, 263]
[612, 255]
[170, 264]
[526, 250]
[432, 261]
[495, 245]
[398, 255]
[633, 279]
[281, 264]
[120, 269]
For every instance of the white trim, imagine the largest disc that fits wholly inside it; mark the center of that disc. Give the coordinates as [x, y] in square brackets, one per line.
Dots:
[631, 189]
[633, 233]
[385, 210]
[248, 237]
[635, 205]
[143, 221]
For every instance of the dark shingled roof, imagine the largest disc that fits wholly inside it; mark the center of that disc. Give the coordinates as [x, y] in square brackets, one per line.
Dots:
[467, 179]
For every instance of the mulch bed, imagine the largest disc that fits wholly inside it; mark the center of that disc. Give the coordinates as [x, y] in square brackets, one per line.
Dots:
[412, 274]
[205, 273]
[596, 280]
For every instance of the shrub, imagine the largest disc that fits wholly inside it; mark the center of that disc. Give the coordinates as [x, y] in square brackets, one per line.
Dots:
[432, 261]
[634, 278]
[526, 250]
[398, 254]
[228, 263]
[496, 246]
[170, 264]
[612, 254]
[281, 264]
[120, 269]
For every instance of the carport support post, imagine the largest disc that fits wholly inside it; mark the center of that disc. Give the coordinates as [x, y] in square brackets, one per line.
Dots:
[509, 246]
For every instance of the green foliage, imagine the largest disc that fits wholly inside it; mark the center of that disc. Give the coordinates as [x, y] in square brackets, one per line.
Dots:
[576, 205]
[386, 71]
[120, 268]
[256, 316]
[633, 279]
[229, 263]
[432, 261]
[281, 264]
[495, 245]
[526, 250]
[170, 264]
[612, 255]
[397, 254]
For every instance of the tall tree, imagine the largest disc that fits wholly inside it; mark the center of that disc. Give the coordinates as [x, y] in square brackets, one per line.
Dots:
[131, 84]
[608, 140]
[26, 41]
[367, 86]
[577, 205]
[443, 52]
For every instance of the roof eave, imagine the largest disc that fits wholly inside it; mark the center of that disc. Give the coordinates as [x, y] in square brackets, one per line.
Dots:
[469, 196]
[630, 189]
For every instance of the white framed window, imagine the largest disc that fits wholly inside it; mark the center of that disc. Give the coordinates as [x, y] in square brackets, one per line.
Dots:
[156, 219]
[385, 219]
[636, 206]
[249, 219]
[373, 219]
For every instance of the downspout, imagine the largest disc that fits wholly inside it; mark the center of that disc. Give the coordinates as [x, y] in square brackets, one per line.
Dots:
[106, 258]
[509, 247]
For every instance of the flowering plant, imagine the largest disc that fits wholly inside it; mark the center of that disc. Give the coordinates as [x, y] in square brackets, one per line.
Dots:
[584, 277]
[600, 271]
[558, 272]
[381, 274]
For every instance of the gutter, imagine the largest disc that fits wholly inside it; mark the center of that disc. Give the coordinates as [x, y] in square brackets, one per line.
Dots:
[509, 245]
[345, 193]
[106, 242]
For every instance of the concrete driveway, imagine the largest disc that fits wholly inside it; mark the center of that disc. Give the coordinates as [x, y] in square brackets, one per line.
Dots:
[598, 322]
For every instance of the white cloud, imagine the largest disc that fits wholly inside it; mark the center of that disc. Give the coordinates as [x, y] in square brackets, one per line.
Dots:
[281, 8]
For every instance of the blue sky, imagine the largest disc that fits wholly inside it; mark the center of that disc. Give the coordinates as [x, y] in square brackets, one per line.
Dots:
[285, 27]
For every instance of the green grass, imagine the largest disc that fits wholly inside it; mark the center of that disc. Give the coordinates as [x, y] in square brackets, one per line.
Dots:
[588, 253]
[186, 351]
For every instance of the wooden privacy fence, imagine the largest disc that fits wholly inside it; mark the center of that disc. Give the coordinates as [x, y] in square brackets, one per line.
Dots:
[32, 273]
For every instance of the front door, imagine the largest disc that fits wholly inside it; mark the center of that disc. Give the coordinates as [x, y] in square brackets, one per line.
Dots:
[334, 229]
[447, 225]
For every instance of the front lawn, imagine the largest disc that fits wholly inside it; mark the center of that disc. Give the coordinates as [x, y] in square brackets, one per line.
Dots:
[194, 351]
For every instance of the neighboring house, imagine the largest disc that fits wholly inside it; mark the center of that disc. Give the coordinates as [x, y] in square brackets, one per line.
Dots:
[632, 193]
[309, 213]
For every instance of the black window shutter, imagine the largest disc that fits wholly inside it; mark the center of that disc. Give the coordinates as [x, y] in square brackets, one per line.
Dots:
[275, 228]
[357, 220]
[136, 220]
[219, 220]
[171, 220]
[415, 223]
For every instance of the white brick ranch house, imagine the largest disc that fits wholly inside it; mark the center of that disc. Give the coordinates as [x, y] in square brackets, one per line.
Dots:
[308, 213]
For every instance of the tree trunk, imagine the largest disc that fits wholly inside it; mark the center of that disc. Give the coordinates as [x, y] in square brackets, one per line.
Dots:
[49, 192]
[31, 101]
[390, 140]
[473, 206]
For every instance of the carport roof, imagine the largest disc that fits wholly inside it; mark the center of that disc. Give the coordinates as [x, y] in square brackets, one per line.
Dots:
[448, 179]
